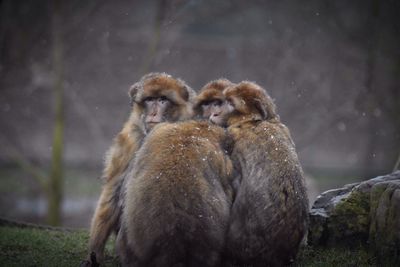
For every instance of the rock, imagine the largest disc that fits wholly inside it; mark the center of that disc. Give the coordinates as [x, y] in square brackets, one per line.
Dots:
[384, 231]
[366, 213]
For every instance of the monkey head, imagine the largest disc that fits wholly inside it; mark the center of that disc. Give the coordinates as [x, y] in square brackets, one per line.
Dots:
[161, 98]
[210, 98]
[244, 101]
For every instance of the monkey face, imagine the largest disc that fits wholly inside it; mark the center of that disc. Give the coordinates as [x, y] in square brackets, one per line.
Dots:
[211, 98]
[156, 110]
[158, 97]
[221, 112]
[210, 107]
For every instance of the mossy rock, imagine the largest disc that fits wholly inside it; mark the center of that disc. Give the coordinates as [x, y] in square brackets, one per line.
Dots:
[384, 234]
[366, 214]
[349, 221]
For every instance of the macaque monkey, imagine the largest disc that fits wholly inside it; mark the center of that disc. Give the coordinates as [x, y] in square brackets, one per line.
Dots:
[210, 98]
[269, 215]
[177, 198]
[156, 98]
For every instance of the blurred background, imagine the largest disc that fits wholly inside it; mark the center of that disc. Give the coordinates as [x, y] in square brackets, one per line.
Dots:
[333, 68]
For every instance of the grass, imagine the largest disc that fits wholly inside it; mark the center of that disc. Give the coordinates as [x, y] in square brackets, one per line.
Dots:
[318, 257]
[38, 247]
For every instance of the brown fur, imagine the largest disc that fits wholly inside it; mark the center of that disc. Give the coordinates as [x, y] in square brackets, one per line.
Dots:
[178, 198]
[269, 214]
[211, 91]
[127, 142]
[252, 104]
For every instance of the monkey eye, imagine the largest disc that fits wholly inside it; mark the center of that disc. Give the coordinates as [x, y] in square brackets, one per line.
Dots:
[163, 99]
[148, 99]
[217, 103]
[229, 101]
[205, 103]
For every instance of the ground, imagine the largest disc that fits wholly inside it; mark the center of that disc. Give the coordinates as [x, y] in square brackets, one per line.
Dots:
[46, 247]
[40, 247]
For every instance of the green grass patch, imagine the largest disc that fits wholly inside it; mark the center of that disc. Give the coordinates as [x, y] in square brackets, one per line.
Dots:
[319, 257]
[37, 247]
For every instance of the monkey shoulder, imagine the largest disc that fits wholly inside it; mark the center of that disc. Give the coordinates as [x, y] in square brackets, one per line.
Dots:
[201, 129]
[274, 132]
[187, 134]
[270, 140]
[188, 126]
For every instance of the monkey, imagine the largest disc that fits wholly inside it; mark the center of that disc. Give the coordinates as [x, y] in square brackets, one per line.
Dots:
[268, 218]
[209, 101]
[157, 97]
[210, 97]
[177, 198]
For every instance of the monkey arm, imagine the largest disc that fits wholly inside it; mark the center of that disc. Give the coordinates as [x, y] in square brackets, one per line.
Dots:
[106, 217]
[107, 214]
[122, 151]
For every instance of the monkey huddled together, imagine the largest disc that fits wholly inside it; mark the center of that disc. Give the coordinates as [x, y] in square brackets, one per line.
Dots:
[206, 180]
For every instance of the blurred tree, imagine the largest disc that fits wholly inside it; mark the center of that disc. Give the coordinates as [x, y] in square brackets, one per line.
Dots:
[51, 182]
[56, 177]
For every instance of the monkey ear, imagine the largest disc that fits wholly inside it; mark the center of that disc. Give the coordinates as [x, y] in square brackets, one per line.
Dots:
[261, 108]
[189, 93]
[133, 91]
